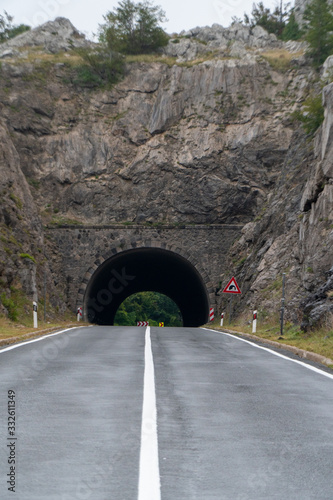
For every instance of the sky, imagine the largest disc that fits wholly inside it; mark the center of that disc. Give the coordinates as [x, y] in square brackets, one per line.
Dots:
[86, 15]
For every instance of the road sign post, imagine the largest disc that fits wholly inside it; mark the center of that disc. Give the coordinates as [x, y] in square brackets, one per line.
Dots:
[232, 288]
[79, 313]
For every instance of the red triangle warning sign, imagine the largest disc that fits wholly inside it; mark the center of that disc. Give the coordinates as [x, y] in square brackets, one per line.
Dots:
[232, 287]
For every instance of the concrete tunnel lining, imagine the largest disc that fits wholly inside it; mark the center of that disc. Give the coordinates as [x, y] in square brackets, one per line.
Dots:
[146, 269]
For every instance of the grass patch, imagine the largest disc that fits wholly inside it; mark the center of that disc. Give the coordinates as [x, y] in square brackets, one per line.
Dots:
[38, 57]
[319, 341]
[64, 221]
[150, 58]
[280, 59]
[171, 61]
[27, 256]
[9, 330]
[16, 200]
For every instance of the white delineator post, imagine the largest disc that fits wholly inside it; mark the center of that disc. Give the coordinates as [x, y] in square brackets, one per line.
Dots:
[35, 314]
[222, 317]
[254, 324]
[79, 313]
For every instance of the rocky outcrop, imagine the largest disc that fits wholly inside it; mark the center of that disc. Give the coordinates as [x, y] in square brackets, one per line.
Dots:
[295, 232]
[318, 307]
[203, 126]
[207, 139]
[20, 225]
[51, 37]
[234, 41]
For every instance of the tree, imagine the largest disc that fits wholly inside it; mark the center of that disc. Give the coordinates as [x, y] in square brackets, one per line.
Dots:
[8, 30]
[148, 306]
[273, 22]
[134, 28]
[292, 31]
[319, 16]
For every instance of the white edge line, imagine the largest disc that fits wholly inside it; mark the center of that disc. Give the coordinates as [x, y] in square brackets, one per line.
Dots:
[149, 487]
[15, 346]
[309, 367]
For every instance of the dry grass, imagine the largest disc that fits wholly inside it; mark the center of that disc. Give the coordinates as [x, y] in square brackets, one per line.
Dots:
[151, 58]
[38, 57]
[171, 61]
[319, 341]
[280, 59]
[9, 329]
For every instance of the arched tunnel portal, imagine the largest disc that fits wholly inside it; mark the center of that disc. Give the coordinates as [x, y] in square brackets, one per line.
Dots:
[146, 269]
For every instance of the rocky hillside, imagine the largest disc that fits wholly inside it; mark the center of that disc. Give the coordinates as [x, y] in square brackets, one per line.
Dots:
[199, 134]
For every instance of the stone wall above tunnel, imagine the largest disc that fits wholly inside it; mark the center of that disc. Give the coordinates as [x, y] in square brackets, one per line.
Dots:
[81, 250]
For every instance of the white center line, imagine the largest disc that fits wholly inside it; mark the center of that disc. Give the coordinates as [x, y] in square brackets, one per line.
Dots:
[149, 474]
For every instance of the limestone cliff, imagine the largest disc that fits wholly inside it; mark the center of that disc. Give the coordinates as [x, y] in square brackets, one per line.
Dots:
[202, 134]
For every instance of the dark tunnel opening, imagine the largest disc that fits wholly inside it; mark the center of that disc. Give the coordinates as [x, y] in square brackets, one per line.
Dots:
[146, 269]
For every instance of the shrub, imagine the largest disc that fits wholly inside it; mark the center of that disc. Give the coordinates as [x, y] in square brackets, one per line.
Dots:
[27, 256]
[100, 67]
[8, 30]
[312, 114]
[10, 305]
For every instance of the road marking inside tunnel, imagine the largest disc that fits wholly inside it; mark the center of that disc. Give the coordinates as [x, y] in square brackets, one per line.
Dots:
[149, 474]
[302, 363]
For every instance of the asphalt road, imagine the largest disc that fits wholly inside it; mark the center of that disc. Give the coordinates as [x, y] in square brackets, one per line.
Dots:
[234, 421]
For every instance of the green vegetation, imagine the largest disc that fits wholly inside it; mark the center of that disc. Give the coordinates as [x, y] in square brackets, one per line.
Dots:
[133, 28]
[16, 303]
[281, 21]
[63, 221]
[10, 305]
[27, 256]
[148, 306]
[34, 183]
[317, 31]
[273, 22]
[291, 30]
[311, 115]
[319, 15]
[16, 200]
[99, 67]
[8, 30]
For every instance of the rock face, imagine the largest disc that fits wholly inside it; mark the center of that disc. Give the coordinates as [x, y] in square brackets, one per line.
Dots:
[234, 41]
[295, 232]
[53, 37]
[205, 140]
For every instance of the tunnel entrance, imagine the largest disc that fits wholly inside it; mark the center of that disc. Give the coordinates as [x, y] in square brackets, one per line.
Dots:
[146, 269]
